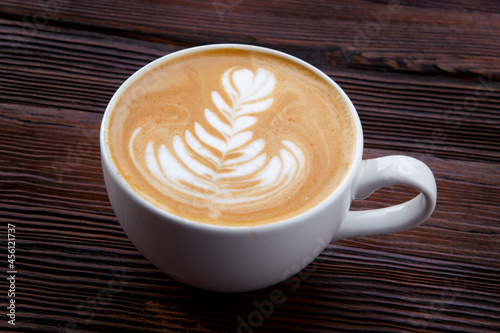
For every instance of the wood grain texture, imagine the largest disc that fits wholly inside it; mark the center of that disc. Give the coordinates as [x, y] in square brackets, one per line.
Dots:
[424, 77]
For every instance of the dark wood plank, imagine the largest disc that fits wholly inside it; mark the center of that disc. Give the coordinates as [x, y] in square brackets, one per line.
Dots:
[73, 247]
[425, 81]
[437, 116]
[393, 35]
[441, 117]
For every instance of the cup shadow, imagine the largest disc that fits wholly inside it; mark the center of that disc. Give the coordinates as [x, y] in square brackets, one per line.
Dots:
[297, 304]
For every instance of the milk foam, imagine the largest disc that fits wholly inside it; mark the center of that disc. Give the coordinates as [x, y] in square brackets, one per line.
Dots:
[231, 168]
[232, 137]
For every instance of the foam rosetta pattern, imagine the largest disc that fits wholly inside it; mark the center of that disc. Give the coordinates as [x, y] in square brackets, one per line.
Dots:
[223, 164]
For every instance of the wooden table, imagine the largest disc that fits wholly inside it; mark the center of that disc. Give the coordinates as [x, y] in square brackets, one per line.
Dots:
[425, 78]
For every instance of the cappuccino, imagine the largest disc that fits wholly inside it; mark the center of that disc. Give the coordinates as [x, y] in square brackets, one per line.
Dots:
[232, 137]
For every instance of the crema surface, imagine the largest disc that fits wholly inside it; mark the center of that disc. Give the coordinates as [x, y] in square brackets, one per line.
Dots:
[232, 137]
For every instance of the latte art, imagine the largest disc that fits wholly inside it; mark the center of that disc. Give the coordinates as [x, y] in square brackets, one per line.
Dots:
[232, 137]
[233, 170]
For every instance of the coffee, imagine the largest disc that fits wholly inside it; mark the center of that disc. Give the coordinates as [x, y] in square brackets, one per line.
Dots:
[232, 137]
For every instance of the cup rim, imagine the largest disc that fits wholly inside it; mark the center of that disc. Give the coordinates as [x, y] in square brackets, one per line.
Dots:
[107, 161]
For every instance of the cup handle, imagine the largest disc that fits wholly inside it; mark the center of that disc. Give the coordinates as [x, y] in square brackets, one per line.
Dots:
[390, 170]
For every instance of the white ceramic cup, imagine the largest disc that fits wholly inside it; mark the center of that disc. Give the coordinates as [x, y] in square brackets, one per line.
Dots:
[237, 259]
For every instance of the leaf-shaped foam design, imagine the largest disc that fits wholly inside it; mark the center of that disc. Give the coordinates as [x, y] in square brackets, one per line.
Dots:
[188, 160]
[197, 147]
[231, 168]
[247, 153]
[250, 167]
[218, 124]
[243, 86]
[209, 139]
[222, 106]
[243, 122]
[255, 107]
[239, 139]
